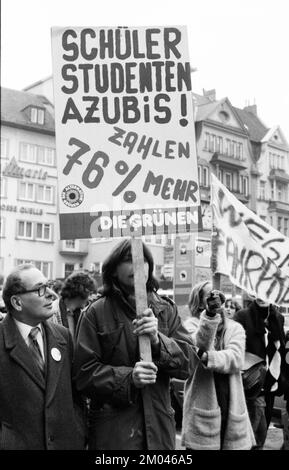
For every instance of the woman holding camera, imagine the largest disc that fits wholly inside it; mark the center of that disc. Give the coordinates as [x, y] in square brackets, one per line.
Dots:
[215, 415]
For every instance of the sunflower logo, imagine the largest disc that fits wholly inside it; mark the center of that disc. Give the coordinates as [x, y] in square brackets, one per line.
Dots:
[72, 195]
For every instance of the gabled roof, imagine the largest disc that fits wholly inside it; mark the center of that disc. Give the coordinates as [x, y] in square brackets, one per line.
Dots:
[205, 110]
[14, 104]
[255, 127]
[270, 133]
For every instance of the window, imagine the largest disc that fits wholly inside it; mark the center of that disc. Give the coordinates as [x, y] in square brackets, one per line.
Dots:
[207, 139]
[199, 174]
[279, 227]
[244, 185]
[3, 187]
[46, 156]
[271, 221]
[37, 115]
[239, 151]
[234, 149]
[205, 176]
[28, 152]
[45, 193]
[276, 161]
[32, 153]
[224, 116]
[4, 147]
[70, 244]
[220, 175]
[24, 229]
[279, 192]
[262, 194]
[26, 191]
[263, 217]
[272, 190]
[219, 145]
[68, 269]
[43, 232]
[228, 180]
[148, 239]
[285, 227]
[44, 266]
[2, 227]
[213, 143]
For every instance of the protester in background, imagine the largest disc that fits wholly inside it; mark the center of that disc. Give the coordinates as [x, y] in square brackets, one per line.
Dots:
[265, 339]
[74, 296]
[57, 286]
[215, 415]
[36, 398]
[130, 398]
[197, 303]
[231, 307]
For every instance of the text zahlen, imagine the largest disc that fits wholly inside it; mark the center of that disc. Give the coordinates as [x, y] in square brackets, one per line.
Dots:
[145, 145]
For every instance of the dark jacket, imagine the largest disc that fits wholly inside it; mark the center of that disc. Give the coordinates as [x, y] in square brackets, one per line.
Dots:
[63, 314]
[123, 417]
[35, 415]
[252, 319]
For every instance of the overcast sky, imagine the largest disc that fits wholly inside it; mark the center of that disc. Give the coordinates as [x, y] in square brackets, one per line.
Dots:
[240, 47]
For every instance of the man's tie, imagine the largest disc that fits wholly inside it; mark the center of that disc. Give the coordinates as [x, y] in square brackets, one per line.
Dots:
[35, 349]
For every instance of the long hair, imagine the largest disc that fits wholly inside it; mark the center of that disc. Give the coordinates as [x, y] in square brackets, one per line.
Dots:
[196, 298]
[118, 254]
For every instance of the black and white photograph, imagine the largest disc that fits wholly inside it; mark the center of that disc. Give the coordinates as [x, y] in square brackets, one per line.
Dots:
[144, 230]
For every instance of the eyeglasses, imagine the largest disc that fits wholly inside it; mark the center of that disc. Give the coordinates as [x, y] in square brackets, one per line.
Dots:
[41, 289]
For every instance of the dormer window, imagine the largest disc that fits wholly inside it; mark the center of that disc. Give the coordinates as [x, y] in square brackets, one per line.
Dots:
[36, 115]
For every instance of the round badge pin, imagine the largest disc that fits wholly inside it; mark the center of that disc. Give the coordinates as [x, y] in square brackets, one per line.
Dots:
[55, 353]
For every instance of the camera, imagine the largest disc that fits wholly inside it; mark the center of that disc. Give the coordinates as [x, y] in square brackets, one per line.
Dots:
[215, 301]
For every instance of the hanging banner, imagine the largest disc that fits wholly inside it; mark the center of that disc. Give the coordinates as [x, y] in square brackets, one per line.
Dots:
[253, 254]
[125, 135]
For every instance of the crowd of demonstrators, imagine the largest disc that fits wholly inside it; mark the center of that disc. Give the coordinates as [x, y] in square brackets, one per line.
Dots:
[69, 357]
[215, 415]
[73, 296]
[37, 407]
[130, 399]
[265, 349]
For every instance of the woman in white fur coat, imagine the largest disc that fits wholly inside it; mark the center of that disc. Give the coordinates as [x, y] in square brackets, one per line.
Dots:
[215, 415]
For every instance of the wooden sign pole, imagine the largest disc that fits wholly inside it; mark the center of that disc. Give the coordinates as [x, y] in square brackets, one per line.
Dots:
[216, 277]
[140, 294]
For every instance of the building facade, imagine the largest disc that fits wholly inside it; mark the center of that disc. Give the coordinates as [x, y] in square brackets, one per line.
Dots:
[28, 182]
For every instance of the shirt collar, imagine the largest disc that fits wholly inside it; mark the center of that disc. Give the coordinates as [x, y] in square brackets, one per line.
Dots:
[25, 329]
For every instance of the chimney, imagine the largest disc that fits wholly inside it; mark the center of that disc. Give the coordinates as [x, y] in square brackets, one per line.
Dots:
[252, 108]
[210, 94]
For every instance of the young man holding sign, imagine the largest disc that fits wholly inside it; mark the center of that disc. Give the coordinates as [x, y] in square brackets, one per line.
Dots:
[130, 399]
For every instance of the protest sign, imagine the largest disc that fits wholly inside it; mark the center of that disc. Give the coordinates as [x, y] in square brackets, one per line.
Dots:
[253, 254]
[125, 134]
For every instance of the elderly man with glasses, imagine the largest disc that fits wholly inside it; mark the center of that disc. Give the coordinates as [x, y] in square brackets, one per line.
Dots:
[37, 410]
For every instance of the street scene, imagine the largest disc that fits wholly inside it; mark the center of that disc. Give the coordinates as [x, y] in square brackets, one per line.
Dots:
[144, 230]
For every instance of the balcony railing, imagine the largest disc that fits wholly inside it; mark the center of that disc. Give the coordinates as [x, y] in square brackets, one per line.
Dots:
[228, 161]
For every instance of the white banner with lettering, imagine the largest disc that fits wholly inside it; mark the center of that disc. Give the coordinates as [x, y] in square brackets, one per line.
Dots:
[125, 133]
[253, 254]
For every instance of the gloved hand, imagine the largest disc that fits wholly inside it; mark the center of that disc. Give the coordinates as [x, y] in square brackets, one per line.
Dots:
[214, 303]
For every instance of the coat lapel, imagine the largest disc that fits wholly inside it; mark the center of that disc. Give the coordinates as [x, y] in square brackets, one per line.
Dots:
[19, 351]
[56, 348]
